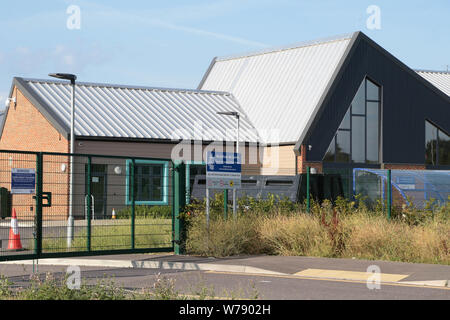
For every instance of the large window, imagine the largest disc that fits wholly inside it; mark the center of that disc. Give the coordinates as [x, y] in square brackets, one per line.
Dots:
[437, 146]
[150, 182]
[358, 137]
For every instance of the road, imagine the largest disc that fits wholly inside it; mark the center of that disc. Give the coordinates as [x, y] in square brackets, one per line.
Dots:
[240, 285]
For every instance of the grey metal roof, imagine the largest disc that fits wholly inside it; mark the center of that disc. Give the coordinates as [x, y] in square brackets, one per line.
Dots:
[117, 111]
[280, 88]
[440, 79]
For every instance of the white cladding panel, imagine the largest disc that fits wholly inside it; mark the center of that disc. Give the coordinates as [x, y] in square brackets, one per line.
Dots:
[440, 80]
[151, 113]
[279, 90]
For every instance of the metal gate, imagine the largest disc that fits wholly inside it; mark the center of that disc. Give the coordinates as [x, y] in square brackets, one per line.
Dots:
[77, 205]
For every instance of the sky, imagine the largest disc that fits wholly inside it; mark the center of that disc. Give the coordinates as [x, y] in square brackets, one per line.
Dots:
[171, 43]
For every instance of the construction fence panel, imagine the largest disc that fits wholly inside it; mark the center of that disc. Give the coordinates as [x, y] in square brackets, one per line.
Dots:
[18, 225]
[419, 189]
[87, 204]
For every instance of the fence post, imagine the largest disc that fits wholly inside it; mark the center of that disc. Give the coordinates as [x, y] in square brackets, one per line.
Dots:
[89, 204]
[389, 200]
[38, 224]
[308, 197]
[188, 185]
[133, 204]
[225, 204]
[179, 201]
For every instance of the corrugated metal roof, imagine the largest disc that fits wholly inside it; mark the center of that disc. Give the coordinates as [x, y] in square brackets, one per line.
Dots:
[440, 79]
[279, 88]
[116, 111]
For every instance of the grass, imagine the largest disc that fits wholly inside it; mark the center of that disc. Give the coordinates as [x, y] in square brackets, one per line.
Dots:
[116, 234]
[347, 233]
[163, 288]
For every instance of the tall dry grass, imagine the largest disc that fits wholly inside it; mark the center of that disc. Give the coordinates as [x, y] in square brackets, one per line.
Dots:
[225, 237]
[374, 237]
[361, 235]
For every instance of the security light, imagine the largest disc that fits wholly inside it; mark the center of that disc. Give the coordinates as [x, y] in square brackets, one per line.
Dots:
[64, 76]
[229, 113]
[9, 100]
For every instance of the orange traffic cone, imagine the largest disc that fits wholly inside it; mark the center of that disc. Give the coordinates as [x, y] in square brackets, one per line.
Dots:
[14, 236]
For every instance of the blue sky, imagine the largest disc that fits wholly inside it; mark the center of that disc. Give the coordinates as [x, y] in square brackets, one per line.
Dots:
[171, 43]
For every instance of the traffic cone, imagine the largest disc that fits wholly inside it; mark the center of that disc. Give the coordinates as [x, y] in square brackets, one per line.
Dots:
[14, 236]
[113, 214]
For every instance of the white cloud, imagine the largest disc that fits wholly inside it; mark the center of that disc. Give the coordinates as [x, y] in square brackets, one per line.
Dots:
[23, 50]
[201, 32]
[69, 60]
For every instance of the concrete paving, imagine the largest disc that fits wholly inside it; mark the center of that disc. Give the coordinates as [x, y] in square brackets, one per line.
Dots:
[301, 267]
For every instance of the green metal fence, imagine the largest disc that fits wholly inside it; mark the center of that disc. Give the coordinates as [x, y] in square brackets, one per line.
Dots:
[90, 205]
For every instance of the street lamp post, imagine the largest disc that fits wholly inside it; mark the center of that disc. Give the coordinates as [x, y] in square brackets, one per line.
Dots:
[238, 117]
[70, 221]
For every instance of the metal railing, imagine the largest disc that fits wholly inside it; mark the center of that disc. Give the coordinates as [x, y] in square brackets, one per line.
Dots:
[141, 192]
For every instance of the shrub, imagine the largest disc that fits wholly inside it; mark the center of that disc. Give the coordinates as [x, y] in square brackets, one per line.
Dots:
[52, 289]
[300, 235]
[224, 237]
[345, 229]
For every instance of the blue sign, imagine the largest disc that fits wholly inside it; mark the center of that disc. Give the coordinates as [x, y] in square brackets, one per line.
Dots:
[223, 170]
[223, 162]
[23, 181]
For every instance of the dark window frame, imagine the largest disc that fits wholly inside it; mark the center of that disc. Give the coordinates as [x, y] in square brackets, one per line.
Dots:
[366, 102]
[437, 150]
[164, 182]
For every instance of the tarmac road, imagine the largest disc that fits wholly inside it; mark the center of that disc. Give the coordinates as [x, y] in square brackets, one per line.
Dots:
[227, 278]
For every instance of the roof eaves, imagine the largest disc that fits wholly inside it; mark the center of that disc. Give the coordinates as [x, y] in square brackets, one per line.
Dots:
[154, 140]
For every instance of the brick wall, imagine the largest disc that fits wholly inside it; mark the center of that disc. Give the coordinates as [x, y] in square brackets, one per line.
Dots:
[26, 129]
[302, 163]
[403, 166]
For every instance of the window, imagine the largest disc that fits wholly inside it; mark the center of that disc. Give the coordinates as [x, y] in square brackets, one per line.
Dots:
[437, 146]
[357, 139]
[150, 182]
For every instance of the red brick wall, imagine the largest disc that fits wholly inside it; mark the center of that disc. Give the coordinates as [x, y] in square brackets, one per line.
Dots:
[302, 163]
[404, 166]
[26, 129]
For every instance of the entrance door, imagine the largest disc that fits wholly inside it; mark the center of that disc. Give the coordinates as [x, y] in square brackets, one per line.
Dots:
[99, 189]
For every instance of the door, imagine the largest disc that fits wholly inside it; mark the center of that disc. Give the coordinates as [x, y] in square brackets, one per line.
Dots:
[99, 189]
